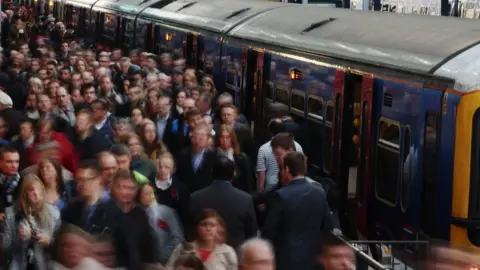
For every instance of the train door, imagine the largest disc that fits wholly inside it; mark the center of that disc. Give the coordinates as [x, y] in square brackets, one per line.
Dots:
[249, 87]
[191, 50]
[351, 92]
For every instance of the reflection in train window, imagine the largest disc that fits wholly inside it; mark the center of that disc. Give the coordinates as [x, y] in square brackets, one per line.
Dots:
[327, 150]
[315, 107]
[269, 90]
[298, 100]
[281, 95]
[388, 152]
[407, 168]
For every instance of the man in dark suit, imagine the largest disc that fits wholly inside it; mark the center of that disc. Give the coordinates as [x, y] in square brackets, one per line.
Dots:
[233, 205]
[297, 216]
[194, 164]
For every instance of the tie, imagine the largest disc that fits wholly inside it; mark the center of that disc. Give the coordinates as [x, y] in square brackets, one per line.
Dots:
[67, 114]
[197, 160]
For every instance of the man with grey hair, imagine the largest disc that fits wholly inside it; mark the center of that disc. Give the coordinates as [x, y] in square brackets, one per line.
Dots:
[256, 254]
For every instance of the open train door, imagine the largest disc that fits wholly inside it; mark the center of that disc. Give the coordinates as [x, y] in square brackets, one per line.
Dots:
[352, 123]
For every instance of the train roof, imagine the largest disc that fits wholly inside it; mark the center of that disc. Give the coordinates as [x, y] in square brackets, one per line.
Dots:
[409, 42]
[217, 16]
[82, 3]
[130, 7]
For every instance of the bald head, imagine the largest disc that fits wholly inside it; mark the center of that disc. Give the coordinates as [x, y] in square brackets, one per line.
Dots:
[256, 254]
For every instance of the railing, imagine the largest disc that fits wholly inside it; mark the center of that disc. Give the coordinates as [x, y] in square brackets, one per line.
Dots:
[385, 255]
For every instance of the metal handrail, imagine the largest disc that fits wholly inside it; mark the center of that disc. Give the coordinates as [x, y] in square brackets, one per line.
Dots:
[362, 255]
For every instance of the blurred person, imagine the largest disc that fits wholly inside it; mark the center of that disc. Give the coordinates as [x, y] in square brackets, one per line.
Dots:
[336, 254]
[104, 251]
[194, 164]
[204, 104]
[12, 116]
[188, 261]
[77, 98]
[58, 191]
[140, 162]
[153, 146]
[170, 191]
[179, 100]
[65, 76]
[233, 205]
[123, 155]
[30, 226]
[88, 92]
[228, 146]
[9, 178]
[163, 119]
[80, 66]
[205, 246]
[177, 79]
[108, 166]
[256, 254]
[72, 245]
[163, 219]
[195, 94]
[138, 116]
[87, 77]
[151, 105]
[227, 99]
[24, 141]
[76, 80]
[108, 91]
[209, 86]
[291, 216]
[122, 128]
[102, 118]
[65, 108]
[35, 85]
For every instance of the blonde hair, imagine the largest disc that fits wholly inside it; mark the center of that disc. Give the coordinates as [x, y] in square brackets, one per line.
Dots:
[42, 215]
[167, 156]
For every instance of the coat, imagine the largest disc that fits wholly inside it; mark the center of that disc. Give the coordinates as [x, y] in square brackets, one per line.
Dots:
[223, 257]
[18, 248]
[167, 228]
[233, 205]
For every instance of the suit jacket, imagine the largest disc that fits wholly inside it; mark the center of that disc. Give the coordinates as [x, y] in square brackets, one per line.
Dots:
[202, 177]
[233, 205]
[295, 221]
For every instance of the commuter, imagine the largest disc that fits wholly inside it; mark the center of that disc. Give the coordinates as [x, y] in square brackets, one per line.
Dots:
[336, 254]
[233, 205]
[256, 254]
[291, 216]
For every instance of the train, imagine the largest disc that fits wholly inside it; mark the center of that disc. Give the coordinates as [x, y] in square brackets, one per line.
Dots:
[387, 104]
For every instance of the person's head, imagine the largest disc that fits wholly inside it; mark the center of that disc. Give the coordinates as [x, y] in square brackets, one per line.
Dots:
[276, 126]
[256, 254]
[281, 144]
[103, 249]
[223, 169]
[124, 187]
[180, 98]
[228, 113]
[294, 165]
[9, 160]
[100, 108]
[207, 225]
[122, 155]
[164, 81]
[71, 245]
[88, 92]
[194, 118]
[190, 81]
[148, 132]
[108, 167]
[87, 178]
[152, 98]
[35, 65]
[106, 83]
[42, 73]
[124, 64]
[31, 196]
[44, 103]
[31, 103]
[50, 172]
[35, 85]
[65, 75]
[80, 65]
[165, 166]
[224, 98]
[227, 139]
[164, 105]
[24, 49]
[146, 195]
[83, 120]
[137, 115]
[135, 145]
[26, 129]
[208, 85]
[76, 80]
[204, 102]
[200, 136]
[52, 69]
[188, 105]
[76, 95]
[63, 97]
[336, 254]
[64, 48]
[188, 261]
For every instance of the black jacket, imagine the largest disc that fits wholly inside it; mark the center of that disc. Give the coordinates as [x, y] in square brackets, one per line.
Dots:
[195, 180]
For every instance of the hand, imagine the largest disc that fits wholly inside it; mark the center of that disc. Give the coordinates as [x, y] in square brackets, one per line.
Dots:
[24, 231]
[2, 217]
[43, 239]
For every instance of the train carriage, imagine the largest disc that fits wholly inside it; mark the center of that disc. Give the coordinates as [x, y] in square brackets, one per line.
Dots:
[387, 104]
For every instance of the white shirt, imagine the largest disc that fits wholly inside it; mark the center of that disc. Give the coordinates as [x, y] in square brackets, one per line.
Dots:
[99, 126]
[28, 142]
[163, 185]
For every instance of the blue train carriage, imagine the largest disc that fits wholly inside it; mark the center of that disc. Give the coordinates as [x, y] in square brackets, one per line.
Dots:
[77, 17]
[376, 117]
[195, 30]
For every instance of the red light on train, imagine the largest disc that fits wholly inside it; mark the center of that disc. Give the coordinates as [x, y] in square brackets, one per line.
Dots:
[474, 267]
[296, 74]
[168, 36]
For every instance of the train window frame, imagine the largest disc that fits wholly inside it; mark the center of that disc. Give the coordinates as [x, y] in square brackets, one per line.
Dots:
[314, 115]
[327, 168]
[300, 94]
[406, 183]
[474, 181]
[385, 144]
[282, 88]
[113, 21]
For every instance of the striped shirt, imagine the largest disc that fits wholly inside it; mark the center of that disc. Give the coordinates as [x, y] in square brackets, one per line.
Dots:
[266, 162]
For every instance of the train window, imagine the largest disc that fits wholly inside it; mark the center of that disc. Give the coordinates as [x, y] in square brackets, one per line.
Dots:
[388, 151]
[327, 150]
[429, 175]
[315, 107]
[110, 26]
[298, 101]
[407, 168]
[281, 95]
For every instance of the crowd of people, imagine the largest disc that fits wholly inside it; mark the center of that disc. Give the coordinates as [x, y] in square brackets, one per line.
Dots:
[140, 162]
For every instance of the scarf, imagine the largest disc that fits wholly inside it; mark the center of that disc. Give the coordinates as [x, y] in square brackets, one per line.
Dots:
[9, 187]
